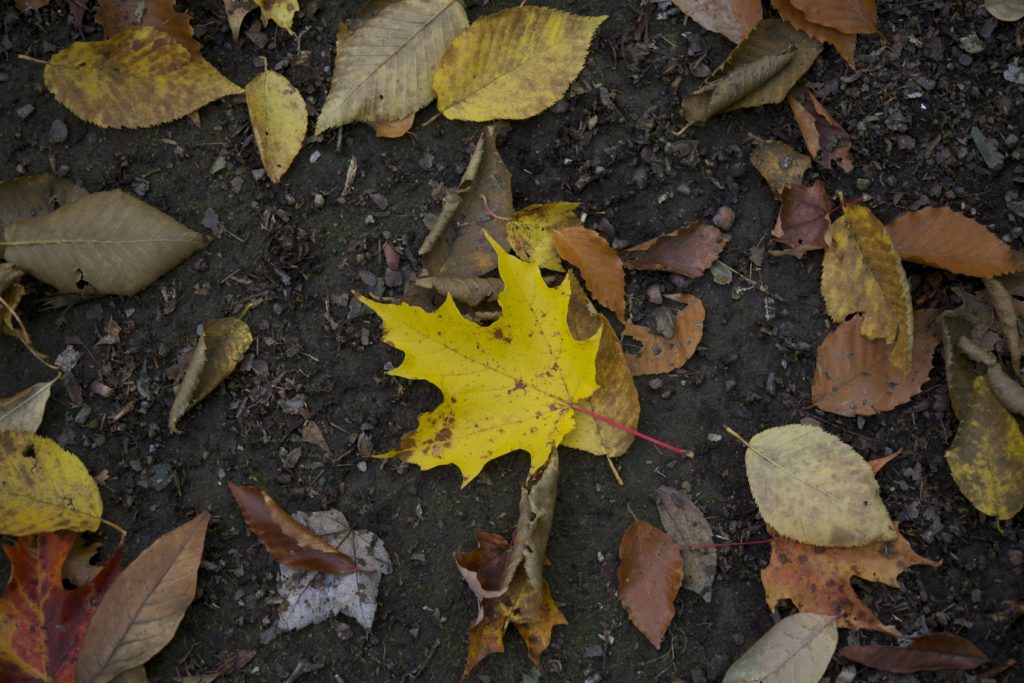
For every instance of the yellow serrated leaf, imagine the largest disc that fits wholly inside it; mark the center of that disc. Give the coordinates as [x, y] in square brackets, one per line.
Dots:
[219, 350]
[512, 64]
[986, 457]
[44, 488]
[281, 12]
[507, 386]
[139, 78]
[862, 273]
[531, 232]
[278, 115]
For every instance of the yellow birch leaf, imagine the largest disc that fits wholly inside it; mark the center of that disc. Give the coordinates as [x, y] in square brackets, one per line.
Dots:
[986, 457]
[863, 273]
[281, 12]
[813, 488]
[219, 350]
[139, 78]
[512, 64]
[278, 115]
[44, 488]
[507, 386]
[531, 232]
[382, 70]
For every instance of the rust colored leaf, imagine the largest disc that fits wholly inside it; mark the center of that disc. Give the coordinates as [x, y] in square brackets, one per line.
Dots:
[932, 652]
[687, 251]
[818, 579]
[394, 129]
[288, 541]
[116, 16]
[803, 222]
[854, 375]
[660, 354]
[822, 134]
[599, 265]
[848, 16]
[650, 575]
[844, 43]
[42, 623]
[943, 238]
[779, 164]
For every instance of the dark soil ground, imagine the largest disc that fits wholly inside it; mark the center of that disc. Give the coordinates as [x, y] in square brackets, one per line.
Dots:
[295, 251]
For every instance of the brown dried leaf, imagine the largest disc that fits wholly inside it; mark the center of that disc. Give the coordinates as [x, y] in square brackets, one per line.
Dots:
[599, 265]
[288, 541]
[394, 129]
[943, 238]
[687, 251]
[116, 16]
[820, 131]
[1006, 313]
[781, 165]
[931, 652]
[844, 43]
[650, 574]
[803, 223]
[848, 16]
[659, 355]
[686, 524]
[734, 19]
[471, 291]
[854, 375]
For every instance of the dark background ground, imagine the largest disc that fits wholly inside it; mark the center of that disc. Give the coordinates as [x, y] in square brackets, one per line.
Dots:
[910, 108]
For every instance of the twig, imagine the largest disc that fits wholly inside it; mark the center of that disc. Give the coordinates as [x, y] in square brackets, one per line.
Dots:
[630, 430]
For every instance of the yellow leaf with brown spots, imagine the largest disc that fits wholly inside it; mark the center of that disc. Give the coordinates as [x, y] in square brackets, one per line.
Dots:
[986, 457]
[507, 386]
[512, 64]
[863, 273]
[278, 115]
[281, 12]
[139, 78]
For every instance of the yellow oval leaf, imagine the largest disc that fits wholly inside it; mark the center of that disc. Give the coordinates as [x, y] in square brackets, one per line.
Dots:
[219, 350]
[142, 77]
[281, 12]
[44, 488]
[512, 64]
[278, 115]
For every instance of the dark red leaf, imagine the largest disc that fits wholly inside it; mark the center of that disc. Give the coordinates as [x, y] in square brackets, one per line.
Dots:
[933, 652]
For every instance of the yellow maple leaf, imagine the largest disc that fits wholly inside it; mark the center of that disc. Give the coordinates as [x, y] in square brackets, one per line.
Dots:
[862, 273]
[507, 386]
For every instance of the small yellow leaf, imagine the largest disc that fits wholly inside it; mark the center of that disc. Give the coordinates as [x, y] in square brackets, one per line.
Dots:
[986, 457]
[531, 232]
[281, 12]
[219, 350]
[278, 115]
[507, 386]
[512, 64]
[862, 273]
[44, 488]
[139, 78]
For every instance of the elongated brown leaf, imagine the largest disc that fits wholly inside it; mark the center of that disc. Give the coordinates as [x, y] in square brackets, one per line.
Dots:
[142, 610]
[943, 238]
[288, 541]
[24, 411]
[687, 251]
[686, 524]
[599, 265]
[932, 652]
[822, 134]
[219, 350]
[106, 242]
[650, 574]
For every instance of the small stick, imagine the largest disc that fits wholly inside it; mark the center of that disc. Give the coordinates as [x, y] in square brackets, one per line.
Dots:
[489, 212]
[618, 425]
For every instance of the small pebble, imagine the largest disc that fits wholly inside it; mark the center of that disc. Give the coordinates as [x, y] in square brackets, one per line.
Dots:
[393, 278]
[724, 218]
[58, 132]
[24, 111]
[654, 294]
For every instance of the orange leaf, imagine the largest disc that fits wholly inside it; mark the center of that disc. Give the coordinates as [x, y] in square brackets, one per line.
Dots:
[650, 575]
[658, 354]
[289, 542]
[803, 218]
[394, 129]
[848, 16]
[116, 16]
[854, 375]
[687, 251]
[41, 622]
[599, 265]
[818, 579]
[943, 238]
[821, 132]
[844, 43]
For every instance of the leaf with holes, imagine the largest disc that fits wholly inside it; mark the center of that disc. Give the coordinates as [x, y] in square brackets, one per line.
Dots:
[650, 575]
[662, 351]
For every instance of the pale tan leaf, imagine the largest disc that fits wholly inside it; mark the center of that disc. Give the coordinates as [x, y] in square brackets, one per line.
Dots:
[795, 650]
[1005, 388]
[106, 242]
[1006, 313]
[1006, 10]
[943, 238]
[848, 16]
[734, 19]
[140, 613]
[23, 412]
[236, 10]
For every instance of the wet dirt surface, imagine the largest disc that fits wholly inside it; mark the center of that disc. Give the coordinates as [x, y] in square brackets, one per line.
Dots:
[295, 251]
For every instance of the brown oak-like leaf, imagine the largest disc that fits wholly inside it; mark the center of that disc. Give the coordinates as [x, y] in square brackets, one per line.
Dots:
[116, 16]
[822, 134]
[779, 164]
[660, 354]
[687, 251]
[943, 238]
[288, 541]
[802, 224]
[42, 623]
[599, 265]
[931, 652]
[650, 575]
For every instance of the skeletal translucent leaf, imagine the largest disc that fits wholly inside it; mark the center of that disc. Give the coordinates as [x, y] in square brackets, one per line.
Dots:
[507, 386]
[44, 488]
[106, 242]
[139, 78]
[281, 12]
[512, 64]
[278, 115]
[795, 650]
[813, 488]
[598, 263]
[116, 16]
[219, 350]
[760, 70]
[862, 273]
[943, 238]
[23, 412]
[734, 19]
[844, 43]
[986, 457]
[383, 70]
[531, 232]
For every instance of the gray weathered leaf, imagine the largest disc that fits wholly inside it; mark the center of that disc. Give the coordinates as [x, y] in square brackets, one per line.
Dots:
[686, 524]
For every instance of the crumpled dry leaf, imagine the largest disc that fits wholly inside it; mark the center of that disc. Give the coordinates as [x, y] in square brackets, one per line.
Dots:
[11, 324]
[943, 238]
[803, 224]
[1006, 314]
[220, 348]
[312, 597]
[687, 251]
[599, 265]
[659, 354]
[650, 575]
[795, 650]
[844, 43]
[734, 19]
[686, 524]
[23, 412]
[456, 245]
[822, 134]
[116, 16]
[278, 116]
[781, 165]
[531, 232]
[760, 70]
